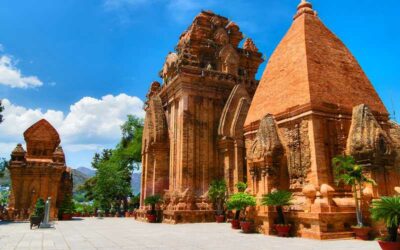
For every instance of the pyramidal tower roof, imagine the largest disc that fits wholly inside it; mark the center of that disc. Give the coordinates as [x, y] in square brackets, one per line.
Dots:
[311, 69]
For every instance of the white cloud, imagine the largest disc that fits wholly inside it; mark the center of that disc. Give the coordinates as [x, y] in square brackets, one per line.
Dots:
[11, 76]
[90, 125]
[93, 120]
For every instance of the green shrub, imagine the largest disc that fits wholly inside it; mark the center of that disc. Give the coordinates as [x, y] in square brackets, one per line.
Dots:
[239, 202]
[387, 209]
[241, 186]
[39, 208]
[67, 206]
[153, 201]
[217, 194]
[278, 199]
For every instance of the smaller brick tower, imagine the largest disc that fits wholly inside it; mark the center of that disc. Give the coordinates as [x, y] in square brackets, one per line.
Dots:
[39, 172]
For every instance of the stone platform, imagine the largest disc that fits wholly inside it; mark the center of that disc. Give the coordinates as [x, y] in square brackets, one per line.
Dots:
[127, 233]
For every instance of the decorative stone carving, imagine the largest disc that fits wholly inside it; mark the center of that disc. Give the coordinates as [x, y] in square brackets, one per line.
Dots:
[230, 60]
[221, 37]
[249, 45]
[367, 141]
[155, 146]
[298, 155]
[394, 133]
[266, 150]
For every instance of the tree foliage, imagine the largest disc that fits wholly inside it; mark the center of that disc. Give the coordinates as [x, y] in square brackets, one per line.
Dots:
[387, 209]
[112, 182]
[241, 186]
[3, 166]
[4, 198]
[278, 198]
[67, 206]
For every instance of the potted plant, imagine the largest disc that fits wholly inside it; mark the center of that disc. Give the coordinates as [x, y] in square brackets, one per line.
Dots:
[38, 214]
[67, 208]
[152, 201]
[235, 219]
[240, 202]
[348, 172]
[388, 210]
[217, 194]
[279, 199]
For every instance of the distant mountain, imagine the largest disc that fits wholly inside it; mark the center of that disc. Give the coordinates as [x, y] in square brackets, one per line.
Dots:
[87, 171]
[135, 182]
[78, 178]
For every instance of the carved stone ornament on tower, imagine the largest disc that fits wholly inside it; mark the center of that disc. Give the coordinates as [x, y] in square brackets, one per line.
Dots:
[265, 155]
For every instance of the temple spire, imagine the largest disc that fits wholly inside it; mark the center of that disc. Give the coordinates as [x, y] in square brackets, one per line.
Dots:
[304, 7]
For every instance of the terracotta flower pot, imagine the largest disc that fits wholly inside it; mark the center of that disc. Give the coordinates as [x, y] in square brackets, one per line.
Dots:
[283, 230]
[220, 218]
[127, 214]
[246, 226]
[135, 215]
[235, 224]
[152, 218]
[66, 216]
[361, 233]
[387, 245]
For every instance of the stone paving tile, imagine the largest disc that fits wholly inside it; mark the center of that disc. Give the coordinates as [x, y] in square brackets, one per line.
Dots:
[119, 233]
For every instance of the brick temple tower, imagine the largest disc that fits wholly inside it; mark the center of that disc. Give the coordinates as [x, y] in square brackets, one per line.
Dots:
[194, 120]
[38, 172]
[315, 102]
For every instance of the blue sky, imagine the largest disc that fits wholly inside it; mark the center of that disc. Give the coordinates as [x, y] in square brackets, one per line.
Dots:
[84, 65]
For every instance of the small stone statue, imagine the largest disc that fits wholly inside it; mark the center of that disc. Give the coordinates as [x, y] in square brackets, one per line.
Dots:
[46, 220]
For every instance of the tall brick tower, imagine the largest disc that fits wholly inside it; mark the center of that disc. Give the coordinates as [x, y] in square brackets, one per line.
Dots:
[194, 121]
[315, 102]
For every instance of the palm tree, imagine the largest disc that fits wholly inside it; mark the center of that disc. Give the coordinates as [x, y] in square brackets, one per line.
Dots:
[278, 199]
[217, 194]
[388, 210]
[348, 172]
[153, 201]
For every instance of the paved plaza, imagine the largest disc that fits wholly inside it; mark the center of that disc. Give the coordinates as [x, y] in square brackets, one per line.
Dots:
[126, 233]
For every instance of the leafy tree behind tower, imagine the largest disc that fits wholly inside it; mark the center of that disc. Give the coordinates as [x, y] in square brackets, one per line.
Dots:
[112, 182]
